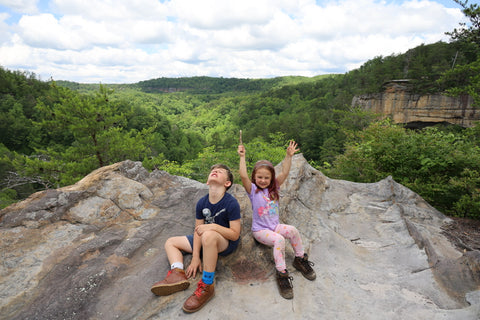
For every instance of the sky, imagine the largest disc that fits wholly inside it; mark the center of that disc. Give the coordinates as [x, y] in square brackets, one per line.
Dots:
[127, 41]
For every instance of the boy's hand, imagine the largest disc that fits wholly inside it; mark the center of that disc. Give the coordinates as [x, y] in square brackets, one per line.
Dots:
[200, 229]
[241, 150]
[292, 148]
[195, 265]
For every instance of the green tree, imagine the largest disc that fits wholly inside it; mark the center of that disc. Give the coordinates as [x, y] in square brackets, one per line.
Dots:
[85, 117]
[465, 79]
[15, 128]
[469, 33]
[96, 129]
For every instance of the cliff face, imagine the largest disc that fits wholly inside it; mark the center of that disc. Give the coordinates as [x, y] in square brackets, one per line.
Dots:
[403, 106]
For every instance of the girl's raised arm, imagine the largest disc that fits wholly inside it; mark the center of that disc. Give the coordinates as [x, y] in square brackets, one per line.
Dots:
[287, 162]
[247, 184]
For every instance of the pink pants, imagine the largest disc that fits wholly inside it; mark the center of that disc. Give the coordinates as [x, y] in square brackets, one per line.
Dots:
[276, 239]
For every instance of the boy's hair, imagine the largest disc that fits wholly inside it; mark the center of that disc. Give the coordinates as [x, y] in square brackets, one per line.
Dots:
[229, 173]
[273, 187]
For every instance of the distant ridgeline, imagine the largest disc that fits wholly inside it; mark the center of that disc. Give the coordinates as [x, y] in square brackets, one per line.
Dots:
[416, 110]
[206, 84]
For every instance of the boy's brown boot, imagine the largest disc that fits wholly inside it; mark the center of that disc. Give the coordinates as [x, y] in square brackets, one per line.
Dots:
[305, 267]
[285, 286]
[200, 297]
[176, 280]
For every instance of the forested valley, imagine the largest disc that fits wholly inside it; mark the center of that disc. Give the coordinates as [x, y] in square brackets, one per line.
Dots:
[53, 133]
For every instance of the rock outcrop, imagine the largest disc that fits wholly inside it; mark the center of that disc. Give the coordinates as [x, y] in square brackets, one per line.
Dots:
[92, 250]
[415, 110]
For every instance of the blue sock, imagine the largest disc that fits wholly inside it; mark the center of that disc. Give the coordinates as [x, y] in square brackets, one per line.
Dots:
[208, 277]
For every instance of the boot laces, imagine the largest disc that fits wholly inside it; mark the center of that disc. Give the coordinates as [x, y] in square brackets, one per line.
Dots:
[307, 264]
[200, 289]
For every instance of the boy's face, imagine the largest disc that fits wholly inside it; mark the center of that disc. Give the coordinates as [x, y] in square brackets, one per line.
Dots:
[220, 176]
[263, 177]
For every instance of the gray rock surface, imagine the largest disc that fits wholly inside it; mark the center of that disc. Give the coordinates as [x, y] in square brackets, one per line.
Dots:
[92, 250]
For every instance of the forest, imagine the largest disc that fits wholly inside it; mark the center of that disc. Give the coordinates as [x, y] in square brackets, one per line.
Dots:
[53, 133]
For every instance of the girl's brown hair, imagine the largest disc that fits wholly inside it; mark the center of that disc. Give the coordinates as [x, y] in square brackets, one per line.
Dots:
[273, 187]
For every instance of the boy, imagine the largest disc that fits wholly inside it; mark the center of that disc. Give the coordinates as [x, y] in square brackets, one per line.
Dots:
[217, 232]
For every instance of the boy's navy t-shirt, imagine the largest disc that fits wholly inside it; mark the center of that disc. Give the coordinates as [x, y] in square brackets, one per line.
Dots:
[221, 213]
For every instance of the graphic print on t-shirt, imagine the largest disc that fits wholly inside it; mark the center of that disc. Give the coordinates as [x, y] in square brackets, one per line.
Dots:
[271, 207]
[208, 215]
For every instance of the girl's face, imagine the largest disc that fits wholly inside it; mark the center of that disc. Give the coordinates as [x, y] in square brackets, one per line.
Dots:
[263, 178]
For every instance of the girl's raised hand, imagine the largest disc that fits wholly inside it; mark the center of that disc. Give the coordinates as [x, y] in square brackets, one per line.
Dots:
[292, 148]
[241, 150]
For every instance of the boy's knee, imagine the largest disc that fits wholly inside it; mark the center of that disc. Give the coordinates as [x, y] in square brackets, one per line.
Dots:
[171, 243]
[209, 238]
[168, 243]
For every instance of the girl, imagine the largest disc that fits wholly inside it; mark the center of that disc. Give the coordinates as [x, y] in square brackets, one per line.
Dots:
[263, 191]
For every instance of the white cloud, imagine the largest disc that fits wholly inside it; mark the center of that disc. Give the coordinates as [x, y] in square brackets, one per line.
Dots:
[23, 6]
[128, 41]
[216, 14]
[113, 10]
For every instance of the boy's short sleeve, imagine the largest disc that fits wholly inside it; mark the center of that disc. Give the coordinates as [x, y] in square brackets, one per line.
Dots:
[234, 212]
[199, 207]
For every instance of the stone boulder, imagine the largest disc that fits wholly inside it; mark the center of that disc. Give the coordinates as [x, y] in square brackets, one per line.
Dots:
[92, 250]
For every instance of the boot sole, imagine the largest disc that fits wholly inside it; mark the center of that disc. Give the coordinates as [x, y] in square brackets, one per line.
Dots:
[200, 307]
[310, 277]
[167, 289]
[286, 296]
